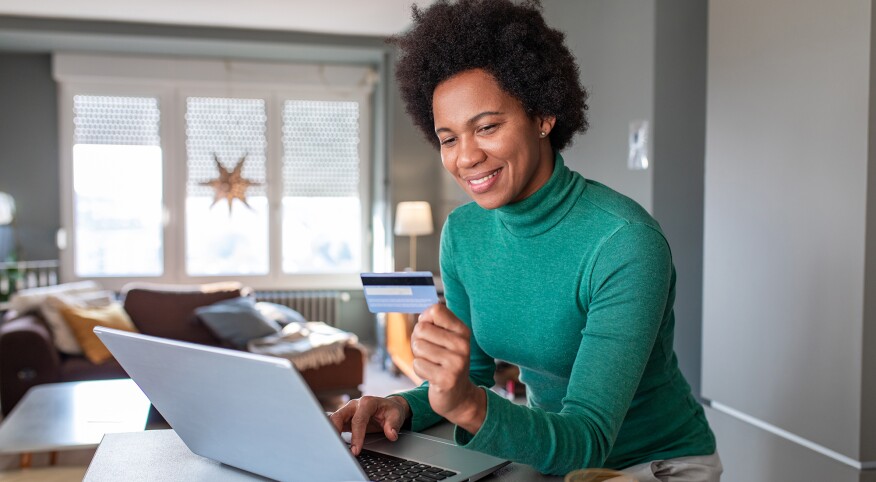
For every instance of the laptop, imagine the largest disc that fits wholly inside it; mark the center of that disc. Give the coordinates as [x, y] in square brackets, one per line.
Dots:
[256, 413]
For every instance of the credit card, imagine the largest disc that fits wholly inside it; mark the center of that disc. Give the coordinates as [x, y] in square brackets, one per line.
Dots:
[401, 292]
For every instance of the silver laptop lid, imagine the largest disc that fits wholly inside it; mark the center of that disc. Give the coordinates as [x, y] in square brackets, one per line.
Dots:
[245, 410]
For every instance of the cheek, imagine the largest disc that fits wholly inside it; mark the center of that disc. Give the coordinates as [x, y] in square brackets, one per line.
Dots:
[448, 164]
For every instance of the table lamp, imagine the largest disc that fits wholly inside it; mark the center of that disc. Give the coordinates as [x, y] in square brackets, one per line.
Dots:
[413, 218]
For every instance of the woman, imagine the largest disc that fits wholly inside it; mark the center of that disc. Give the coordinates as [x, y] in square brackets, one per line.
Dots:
[560, 275]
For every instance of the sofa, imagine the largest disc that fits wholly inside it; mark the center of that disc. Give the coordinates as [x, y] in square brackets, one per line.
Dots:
[29, 357]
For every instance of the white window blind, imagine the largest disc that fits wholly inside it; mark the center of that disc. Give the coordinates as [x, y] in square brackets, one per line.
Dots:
[321, 148]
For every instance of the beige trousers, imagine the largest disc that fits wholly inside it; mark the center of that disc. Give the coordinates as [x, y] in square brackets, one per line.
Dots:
[701, 468]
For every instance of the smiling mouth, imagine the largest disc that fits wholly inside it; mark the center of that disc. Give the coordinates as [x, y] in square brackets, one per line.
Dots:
[478, 182]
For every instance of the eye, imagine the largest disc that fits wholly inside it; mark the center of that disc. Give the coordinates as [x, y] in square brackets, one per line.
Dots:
[487, 128]
[448, 141]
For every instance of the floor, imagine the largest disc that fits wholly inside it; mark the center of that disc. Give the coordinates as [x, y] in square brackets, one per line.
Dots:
[71, 465]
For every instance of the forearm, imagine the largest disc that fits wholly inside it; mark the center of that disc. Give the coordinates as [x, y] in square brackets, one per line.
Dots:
[553, 443]
[419, 412]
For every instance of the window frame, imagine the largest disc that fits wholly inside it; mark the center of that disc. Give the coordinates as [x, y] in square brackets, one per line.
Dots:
[171, 81]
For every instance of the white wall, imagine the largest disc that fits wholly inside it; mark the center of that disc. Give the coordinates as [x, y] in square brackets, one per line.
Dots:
[785, 216]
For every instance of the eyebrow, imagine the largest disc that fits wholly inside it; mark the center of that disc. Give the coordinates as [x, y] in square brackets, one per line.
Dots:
[471, 121]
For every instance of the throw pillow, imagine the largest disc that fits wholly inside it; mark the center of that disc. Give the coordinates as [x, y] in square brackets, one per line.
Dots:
[83, 320]
[62, 336]
[280, 313]
[236, 321]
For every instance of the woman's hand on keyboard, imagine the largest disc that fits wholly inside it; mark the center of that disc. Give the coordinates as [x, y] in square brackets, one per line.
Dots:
[370, 414]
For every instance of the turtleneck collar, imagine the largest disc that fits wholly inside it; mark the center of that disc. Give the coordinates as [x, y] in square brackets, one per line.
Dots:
[545, 208]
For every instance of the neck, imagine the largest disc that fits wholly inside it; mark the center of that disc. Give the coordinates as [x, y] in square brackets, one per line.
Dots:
[543, 171]
[545, 207]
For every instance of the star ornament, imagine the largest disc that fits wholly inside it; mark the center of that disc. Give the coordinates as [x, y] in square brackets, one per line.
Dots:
[230, 184]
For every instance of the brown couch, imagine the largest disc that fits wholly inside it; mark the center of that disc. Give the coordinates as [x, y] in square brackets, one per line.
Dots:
[28, 356]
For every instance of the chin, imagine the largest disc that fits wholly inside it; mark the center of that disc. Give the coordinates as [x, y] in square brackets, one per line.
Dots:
[488, 202]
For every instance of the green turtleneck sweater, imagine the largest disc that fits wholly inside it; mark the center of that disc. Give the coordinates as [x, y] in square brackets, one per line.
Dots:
[575, 285]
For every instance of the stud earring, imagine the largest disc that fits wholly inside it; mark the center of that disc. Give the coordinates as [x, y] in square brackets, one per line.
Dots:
[543, 133]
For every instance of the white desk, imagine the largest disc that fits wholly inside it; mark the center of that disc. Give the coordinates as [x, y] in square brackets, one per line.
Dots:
[73, 415]
[160, 456]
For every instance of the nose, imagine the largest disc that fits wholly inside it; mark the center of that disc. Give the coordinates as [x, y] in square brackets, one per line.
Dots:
[470, 153]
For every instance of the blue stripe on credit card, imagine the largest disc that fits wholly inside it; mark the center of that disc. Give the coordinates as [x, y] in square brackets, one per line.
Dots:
[403, 292]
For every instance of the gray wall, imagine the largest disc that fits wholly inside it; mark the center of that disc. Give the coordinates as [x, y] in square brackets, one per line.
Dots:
[868, 375]
[613, 41]
[679, 152]
[789, 95]
[29, 151]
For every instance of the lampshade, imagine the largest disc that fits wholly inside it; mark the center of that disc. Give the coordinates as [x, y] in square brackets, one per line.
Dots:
[413, 218]
[7, 209]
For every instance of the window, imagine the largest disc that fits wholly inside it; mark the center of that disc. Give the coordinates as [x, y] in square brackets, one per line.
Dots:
[117, 186]
[224, 236]
[147, 158]
[322, 228]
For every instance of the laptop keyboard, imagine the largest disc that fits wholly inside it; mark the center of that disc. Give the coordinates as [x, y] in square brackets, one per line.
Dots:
[379, 467]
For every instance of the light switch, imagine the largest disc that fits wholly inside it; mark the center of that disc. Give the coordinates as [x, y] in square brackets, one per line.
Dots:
[638, 160]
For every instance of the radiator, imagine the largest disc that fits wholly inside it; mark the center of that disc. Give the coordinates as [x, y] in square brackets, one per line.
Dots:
[322, 305]
[21, 275]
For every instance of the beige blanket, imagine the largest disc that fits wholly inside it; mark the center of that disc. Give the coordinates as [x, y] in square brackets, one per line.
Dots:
[309, 345]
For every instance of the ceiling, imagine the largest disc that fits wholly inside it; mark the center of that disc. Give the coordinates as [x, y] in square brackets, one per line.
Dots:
[351, 17]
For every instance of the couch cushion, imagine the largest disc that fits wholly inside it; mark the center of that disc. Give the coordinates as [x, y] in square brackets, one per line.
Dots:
[83, 320]
[161, 311]
[237, 321]
[51, 308]
[30, 299]
[282, 314]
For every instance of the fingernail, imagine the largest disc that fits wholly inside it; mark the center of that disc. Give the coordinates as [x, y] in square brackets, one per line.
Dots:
[356, 450]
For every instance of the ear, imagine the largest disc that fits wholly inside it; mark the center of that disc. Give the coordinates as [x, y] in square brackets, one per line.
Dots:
[546, 123]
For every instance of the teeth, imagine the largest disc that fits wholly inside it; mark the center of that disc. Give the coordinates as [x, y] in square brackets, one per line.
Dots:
[484, 179]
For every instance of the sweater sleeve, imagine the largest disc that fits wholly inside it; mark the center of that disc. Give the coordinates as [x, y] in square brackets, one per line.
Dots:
[625, 294]
[481, 366]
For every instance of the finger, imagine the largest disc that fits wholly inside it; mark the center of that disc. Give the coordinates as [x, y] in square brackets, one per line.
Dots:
[390, 431]
[359, 423]
[337, 421]
[445, 373]
[441, 337]
[393, 422]
[440, 315]
[432, 352]
[428, 371]
[341, 417]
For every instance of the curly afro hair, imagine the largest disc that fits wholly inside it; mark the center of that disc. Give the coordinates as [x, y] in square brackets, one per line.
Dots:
[511, 41]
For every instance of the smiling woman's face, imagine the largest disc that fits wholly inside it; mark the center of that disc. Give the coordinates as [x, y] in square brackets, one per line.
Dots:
[494, 150]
